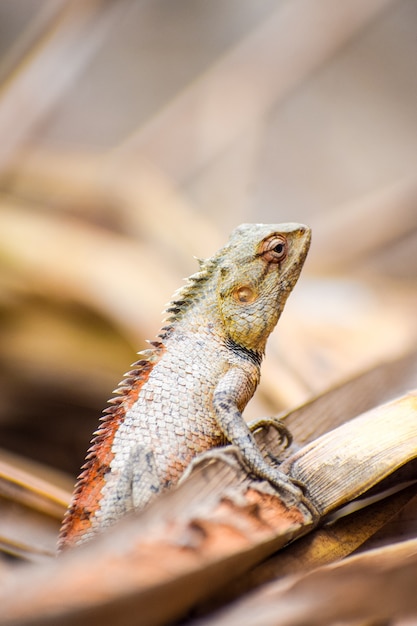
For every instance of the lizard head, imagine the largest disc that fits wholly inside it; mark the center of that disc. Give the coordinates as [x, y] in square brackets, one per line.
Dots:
[257, 271]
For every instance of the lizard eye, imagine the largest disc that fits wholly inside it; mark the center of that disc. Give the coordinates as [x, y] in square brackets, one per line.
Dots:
[274, 249]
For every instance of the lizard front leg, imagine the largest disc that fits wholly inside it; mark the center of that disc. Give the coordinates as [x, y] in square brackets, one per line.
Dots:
[233, 391]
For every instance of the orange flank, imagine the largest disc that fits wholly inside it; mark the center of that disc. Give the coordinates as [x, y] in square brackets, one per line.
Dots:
[87, 493]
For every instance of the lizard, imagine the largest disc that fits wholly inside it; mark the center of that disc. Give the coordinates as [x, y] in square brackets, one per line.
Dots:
[187, 392]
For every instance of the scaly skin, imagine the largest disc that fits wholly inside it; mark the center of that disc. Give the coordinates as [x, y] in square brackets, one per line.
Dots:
[187, 393]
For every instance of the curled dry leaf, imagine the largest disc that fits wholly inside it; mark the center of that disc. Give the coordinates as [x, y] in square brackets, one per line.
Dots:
[373, 588]
[215, 525]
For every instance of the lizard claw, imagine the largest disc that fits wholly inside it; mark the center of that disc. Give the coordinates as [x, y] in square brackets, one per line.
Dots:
[300, 485]
[266, 439]
[285, 435]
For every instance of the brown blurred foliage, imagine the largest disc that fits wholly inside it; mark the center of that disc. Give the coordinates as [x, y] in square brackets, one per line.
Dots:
[136, 134]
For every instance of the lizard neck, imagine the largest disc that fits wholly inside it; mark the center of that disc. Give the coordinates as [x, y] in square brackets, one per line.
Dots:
[203, 324]
[247, 354]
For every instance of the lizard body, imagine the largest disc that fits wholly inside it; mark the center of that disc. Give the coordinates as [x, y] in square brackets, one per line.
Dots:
[187, 392]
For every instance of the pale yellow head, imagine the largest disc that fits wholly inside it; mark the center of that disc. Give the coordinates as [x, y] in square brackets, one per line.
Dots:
[256, 272]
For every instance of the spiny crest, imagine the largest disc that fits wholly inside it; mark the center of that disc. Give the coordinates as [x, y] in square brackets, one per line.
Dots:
[195, 286]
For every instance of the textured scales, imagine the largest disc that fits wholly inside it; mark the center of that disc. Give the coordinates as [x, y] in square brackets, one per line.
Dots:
[186, 393]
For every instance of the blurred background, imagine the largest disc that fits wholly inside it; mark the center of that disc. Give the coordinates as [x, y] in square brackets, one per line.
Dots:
[136, 134]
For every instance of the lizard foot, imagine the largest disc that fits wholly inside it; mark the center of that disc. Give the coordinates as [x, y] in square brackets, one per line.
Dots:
[230, 455]
[263, 423]
[265, 431]
[293, 492]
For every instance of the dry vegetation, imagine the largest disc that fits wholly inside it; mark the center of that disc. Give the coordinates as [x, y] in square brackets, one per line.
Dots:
[134, 135]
